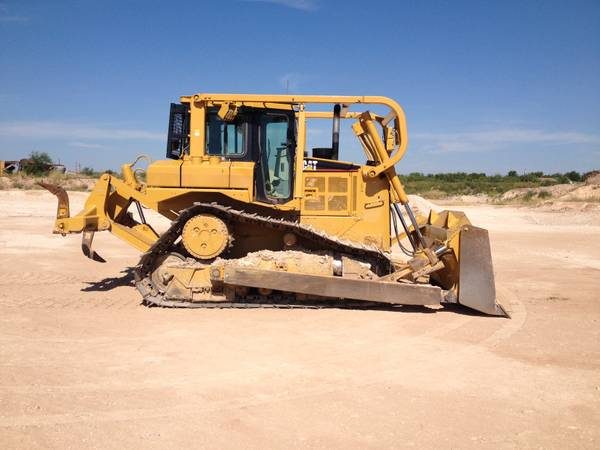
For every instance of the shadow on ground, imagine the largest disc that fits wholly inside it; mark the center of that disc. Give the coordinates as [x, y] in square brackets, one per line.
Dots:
[127, 279]
[108, 284]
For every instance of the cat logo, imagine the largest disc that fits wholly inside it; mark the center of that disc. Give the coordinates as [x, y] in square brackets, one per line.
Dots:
[310, 164]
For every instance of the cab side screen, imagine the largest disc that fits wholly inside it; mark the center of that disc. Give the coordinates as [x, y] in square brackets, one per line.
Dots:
[178, 139]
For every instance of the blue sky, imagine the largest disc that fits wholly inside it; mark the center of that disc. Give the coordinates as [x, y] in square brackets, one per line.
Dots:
[486, 85]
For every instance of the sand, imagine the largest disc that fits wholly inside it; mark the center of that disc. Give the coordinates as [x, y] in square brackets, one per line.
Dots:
[83, 365]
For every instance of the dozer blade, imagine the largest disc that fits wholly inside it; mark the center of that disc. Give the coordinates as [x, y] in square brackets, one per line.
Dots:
[86, 247]
[63, 199]
[476, 288]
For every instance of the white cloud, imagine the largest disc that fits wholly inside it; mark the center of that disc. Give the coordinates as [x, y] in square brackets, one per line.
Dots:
[303, 5]
[489, 140]
[5, 15]
[85, 145]
[63, 130]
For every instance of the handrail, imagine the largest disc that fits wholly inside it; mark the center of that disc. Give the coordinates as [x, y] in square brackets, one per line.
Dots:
[400, 122]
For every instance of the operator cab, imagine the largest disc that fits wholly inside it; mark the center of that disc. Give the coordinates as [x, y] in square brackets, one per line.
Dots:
[266, 137]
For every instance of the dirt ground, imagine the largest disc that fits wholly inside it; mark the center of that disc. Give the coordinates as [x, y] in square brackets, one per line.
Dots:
[83, 365]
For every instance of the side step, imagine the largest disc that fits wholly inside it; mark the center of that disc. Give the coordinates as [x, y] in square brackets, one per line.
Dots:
[337, 287]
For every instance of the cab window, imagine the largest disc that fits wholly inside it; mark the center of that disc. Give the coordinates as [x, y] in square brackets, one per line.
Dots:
[277, 157]
[225, 138]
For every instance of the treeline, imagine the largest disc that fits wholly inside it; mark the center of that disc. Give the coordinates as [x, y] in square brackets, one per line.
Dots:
[463, 183]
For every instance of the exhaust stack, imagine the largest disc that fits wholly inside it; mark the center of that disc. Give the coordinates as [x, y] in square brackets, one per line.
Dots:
[335, 134]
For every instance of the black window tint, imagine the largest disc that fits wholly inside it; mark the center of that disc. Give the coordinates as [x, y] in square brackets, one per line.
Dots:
[225, 138]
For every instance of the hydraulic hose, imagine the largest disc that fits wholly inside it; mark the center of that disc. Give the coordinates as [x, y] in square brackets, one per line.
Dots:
[395, 223]
[405, 226]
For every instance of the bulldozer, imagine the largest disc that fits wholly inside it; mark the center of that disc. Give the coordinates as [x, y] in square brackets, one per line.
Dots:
[258, 220]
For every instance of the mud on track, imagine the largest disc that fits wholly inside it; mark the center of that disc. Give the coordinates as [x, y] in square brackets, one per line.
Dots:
[83, 365]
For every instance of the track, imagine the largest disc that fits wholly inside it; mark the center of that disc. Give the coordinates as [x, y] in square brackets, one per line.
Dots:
[380, 262]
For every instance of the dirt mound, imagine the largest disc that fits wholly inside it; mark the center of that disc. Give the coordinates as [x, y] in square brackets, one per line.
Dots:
[422, 206]
[556, 191]
[592, 177]
[587, 192]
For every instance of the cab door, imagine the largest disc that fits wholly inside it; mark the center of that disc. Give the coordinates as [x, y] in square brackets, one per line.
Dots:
[274, 157]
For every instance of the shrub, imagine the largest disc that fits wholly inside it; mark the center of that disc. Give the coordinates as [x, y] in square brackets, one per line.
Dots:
[38, 163]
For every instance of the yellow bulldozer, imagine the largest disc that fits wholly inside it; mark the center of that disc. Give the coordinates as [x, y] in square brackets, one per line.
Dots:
[257, 220]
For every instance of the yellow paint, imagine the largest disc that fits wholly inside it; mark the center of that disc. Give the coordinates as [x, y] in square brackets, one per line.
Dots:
[352, 204]
[205, 236]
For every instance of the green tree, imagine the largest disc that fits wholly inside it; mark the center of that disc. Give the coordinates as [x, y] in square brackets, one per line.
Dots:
[38, 163]
[573, 176]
